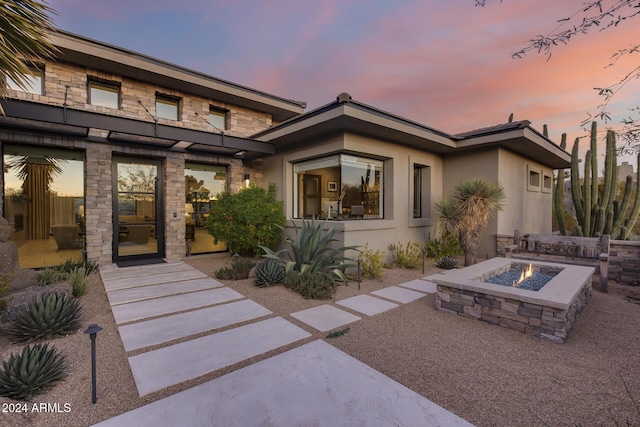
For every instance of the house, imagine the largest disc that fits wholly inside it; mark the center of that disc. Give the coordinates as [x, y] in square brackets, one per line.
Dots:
[117, 156]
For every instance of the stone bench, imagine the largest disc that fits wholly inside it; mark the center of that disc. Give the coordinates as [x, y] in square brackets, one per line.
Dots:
[588, 251]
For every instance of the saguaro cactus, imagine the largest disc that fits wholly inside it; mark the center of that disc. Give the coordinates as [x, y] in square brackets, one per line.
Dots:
[558, 191]
[597, 209]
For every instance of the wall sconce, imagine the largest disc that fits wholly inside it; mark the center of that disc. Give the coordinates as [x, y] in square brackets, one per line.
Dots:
[246, 180]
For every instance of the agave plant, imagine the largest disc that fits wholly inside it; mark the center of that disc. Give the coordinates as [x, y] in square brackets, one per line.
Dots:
[46, 317]
[447, 262]
[269, 272]
[31, 372]
[312, 252]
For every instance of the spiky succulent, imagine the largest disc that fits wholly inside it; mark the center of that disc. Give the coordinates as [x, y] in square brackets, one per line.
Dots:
[269, 272]
[31, 372]
[46, 317]
[447, 262]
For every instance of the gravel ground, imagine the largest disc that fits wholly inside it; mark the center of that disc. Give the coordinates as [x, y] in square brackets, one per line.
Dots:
[488, 375]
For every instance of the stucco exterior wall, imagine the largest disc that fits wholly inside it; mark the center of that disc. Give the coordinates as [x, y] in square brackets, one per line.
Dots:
[398, 224]
[526, 207]
[478, 164]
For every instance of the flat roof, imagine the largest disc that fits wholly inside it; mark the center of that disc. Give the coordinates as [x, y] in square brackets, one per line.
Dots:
[91, 53]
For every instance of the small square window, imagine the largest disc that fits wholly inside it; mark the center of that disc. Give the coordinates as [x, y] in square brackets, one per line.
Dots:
[167, 107]
[547, 183]
[104, 95]
[533, 180]
[218, 118]
[32, 82]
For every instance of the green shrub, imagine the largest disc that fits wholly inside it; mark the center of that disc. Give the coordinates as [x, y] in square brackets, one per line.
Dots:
[69, 265]
[78, 280]
[50, 275]
[311, 285]
[312, 251]
[409, 256]
[5, 286]
[371, 263]
[46, 317]
[228, 272]
[447, 246]
[269, 272]
[31, 372]
[447, 262]
[247, 219]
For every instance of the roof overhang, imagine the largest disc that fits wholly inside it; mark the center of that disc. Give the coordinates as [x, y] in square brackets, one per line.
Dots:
[359, 119]
[523, 141]
[85, 52]
[43, 118]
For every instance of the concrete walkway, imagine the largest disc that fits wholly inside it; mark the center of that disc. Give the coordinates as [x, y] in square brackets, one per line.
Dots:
[168, 312]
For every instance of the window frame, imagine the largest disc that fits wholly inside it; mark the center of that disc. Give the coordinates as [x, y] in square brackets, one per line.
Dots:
[334, 196]
[219, 112]
[35, 70]
[546, 178]
[100, 84]
[168, 100]
[531, 173]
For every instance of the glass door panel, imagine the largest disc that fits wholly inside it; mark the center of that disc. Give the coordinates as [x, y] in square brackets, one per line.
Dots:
[136, 230]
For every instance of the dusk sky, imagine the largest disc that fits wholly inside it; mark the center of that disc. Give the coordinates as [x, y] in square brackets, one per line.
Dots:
[445, 64]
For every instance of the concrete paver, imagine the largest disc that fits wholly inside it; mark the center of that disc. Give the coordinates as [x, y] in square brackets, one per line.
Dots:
[163, 329]
[325, 317]
[121, 296]
[420, 285]
[367, 304]
[398, 294]
[312, 385]
[158, 369]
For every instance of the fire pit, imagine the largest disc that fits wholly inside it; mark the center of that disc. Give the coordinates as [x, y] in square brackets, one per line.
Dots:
[547, 312]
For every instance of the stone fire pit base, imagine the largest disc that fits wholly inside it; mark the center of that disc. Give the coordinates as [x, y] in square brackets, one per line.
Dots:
[548, 313]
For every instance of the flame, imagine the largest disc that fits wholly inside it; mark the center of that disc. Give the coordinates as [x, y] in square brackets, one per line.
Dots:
[524, 275]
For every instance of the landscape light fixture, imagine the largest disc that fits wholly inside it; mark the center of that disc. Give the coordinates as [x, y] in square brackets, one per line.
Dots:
[93, 330]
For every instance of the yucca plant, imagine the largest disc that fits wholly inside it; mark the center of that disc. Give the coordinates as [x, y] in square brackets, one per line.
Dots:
[46, 317]
[312, 252]
[269, 272]
[31, 372]
[447, 262]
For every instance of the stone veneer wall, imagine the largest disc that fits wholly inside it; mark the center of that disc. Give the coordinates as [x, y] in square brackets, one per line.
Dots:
[242, 122]
[624, 259]
[543, 322]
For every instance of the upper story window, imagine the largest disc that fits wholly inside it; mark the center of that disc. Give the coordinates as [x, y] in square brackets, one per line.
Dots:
[342, 186]
[533, 179]
[167, 107]
[104, 94]
[218, 118]
[33, 82]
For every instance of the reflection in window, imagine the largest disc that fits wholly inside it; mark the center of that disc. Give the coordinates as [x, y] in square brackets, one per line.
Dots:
[341, 186]
[218, 118]
[203, 184]
[32, 82]
[167, 107]
[104, 95]
[44, 203]
[421, 186]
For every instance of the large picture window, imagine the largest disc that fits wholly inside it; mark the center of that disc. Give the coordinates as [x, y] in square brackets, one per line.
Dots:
[44, 203]
[342, 186]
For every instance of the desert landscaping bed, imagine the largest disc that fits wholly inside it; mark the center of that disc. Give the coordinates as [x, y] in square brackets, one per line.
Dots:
[489, 375]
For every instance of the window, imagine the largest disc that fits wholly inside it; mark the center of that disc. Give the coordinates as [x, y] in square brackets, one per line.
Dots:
[421, 186]
[342, 186]
[167, 107]
[547, 183]
[104, 94]
[32, 82]
[218, 118]
[203, 184]
[44, 203]
[533, 183]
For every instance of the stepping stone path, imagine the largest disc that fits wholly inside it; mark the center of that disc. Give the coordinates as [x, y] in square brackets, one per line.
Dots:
[169, 312]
